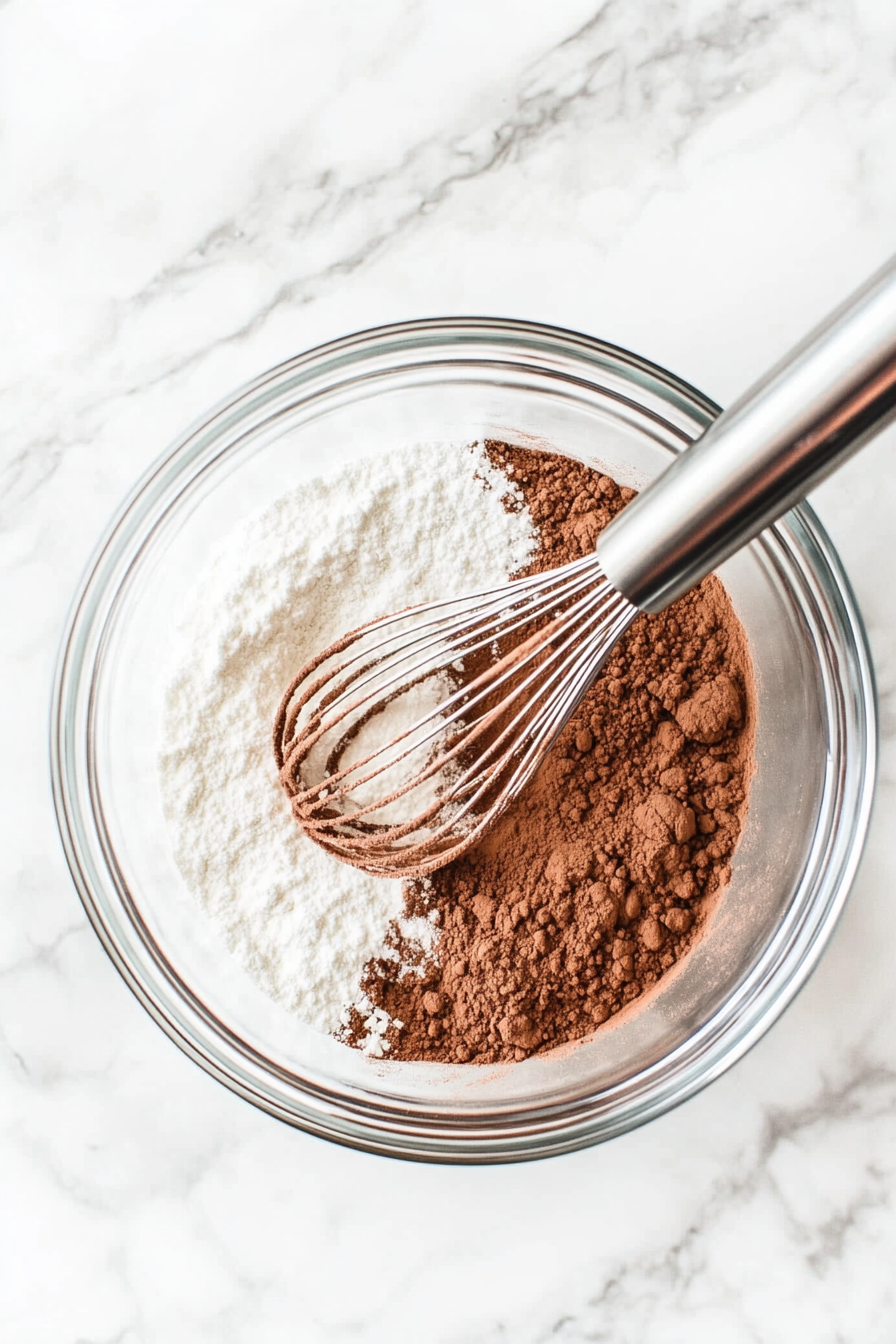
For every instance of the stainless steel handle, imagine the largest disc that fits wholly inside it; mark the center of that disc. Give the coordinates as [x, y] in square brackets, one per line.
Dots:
[785, 435]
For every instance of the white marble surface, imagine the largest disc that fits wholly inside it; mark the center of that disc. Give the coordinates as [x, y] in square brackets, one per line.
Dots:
[192, 192]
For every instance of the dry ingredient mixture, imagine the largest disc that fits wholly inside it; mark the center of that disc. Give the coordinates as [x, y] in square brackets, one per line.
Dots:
[603, 873]
[590, 889]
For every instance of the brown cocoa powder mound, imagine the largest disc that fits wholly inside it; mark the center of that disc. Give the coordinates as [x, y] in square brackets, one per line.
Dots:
[601, 875]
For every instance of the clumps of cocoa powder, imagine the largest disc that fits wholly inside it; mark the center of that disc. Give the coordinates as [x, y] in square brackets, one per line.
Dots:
[602, 874]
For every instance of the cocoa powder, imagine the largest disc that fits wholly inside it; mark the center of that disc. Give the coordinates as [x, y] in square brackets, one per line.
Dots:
[602, 874]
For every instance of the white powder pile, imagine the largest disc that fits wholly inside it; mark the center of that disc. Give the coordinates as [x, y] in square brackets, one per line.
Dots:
[374, 537]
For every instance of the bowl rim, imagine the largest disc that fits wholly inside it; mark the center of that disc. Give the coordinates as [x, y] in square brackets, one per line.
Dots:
[517, 1135]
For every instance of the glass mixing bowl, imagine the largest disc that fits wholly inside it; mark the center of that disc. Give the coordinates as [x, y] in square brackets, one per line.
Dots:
[426, 382]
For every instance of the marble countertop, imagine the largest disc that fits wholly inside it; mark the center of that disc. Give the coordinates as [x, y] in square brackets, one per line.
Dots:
[193, 192]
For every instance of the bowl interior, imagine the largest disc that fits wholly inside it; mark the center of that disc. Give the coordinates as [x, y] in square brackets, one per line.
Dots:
[249, 455]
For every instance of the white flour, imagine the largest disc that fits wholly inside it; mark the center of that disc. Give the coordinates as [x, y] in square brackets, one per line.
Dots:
[372, 538]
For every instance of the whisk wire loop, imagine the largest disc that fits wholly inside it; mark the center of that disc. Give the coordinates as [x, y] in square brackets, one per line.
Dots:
[403, 741]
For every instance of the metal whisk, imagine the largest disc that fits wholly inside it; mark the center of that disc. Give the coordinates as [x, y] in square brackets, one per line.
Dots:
[403, 742]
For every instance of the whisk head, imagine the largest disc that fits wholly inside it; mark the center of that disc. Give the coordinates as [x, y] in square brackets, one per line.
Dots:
[403, 742]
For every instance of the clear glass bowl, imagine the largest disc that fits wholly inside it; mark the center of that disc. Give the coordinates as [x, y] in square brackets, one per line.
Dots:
[432, 381]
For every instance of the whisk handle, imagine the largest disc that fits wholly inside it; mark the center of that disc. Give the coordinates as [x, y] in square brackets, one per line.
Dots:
[794, 427]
